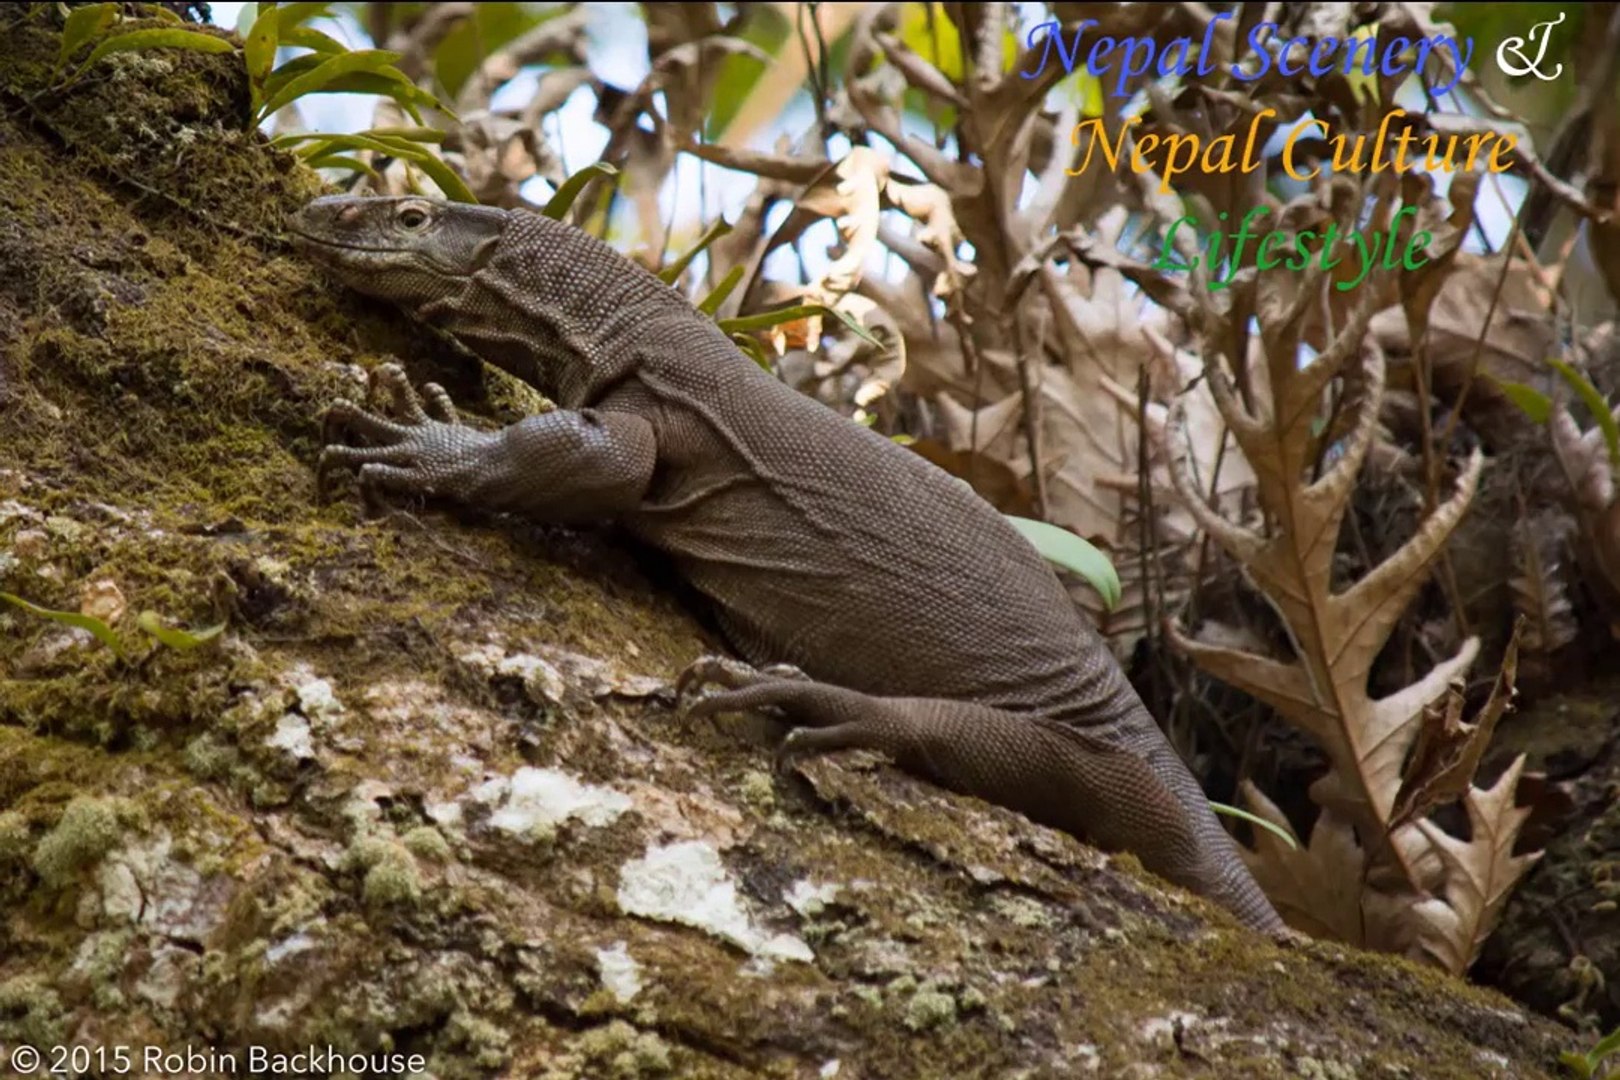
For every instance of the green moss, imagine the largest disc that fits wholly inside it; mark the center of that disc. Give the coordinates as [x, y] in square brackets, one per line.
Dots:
[391, 874]
[16, 839]
[89, 828]
[207, 759]
[484, 1041]
[758, 790]
[31, 1012]
[621, 1051]
[427, 842]
[929, 1007]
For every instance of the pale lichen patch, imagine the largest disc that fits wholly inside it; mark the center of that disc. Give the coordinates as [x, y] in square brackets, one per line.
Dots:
[687, 883]
[621, 975]
[538, 800]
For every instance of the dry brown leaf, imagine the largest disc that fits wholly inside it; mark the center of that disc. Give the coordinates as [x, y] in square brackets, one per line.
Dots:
[1539, 593]
[1309, 885]
[1480, 874]
[1336, 636]
[1448, 749]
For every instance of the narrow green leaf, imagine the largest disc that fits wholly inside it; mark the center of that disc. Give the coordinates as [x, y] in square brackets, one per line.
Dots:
[370, 61]
[259, 54]
[323, 142]
[338, 161]
[711, 303]
[291, 15]
[453, 186]
[408, 94]
[1605, 1048]
[289, 71]
[101, 630]
[413, 134]
[305, 38]
[158, 11]
[184, 640]
[1595, 403]
[767, 319]
[1072, 552]
[1254, 819]
[321, 145]
[755, 351]
[1577, 1064]
[1532, 402]
[670, 274]
[137, 40]
[83, 24]
[559, 203]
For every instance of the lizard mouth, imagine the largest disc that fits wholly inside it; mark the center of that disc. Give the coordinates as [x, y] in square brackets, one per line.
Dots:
[305, 239]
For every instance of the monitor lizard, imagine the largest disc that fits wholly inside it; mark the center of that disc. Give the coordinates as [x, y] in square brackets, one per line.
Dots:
[894, 609]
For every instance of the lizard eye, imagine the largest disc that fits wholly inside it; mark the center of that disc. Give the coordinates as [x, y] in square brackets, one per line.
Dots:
[413, 217]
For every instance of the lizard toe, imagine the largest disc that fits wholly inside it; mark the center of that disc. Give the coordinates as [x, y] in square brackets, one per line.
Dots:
[391, 379]
[715, 670]
[344, 418]
[805, 742]
[438, 404]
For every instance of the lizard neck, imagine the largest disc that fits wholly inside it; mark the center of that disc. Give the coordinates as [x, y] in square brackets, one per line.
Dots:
[559, 310]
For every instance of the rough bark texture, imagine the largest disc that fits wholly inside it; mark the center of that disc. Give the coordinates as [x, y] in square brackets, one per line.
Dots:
[319, 829]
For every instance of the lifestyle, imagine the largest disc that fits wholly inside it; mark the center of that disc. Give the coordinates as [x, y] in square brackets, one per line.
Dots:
[1296, 249]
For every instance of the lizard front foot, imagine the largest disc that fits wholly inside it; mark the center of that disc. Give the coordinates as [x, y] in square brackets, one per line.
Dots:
[421, 450]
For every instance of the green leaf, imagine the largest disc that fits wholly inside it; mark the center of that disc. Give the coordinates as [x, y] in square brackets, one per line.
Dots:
[184, 640]
[368, 61]
[289, 16]
[158, 11]
[338, 161]
[1254, 819]
[1595, 403]
[452, 185]
[755, 351]
[408, 95]
[317, 146]
[670, 274]
[305, 38]
[475, 39]
[259, 54]
[564, 198]
[1532, 402]
[767, 319]
[1587, 1065]
[289, 71]
[415, 134]
[1072, 552]
[101, 630]
[138, 40]
[711, 303]
[1577, 1064]
[83, 24]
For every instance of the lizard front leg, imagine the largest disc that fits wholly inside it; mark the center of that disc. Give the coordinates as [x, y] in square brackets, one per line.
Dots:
[563, 466]
[1117, 786]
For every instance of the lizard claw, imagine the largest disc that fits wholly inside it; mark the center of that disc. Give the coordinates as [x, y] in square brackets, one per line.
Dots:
[731, 674]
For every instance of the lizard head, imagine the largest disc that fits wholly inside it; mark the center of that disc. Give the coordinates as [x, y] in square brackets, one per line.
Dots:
[418, 253]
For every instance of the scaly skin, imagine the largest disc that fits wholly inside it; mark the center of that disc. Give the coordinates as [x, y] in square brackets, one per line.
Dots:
[927, 627]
